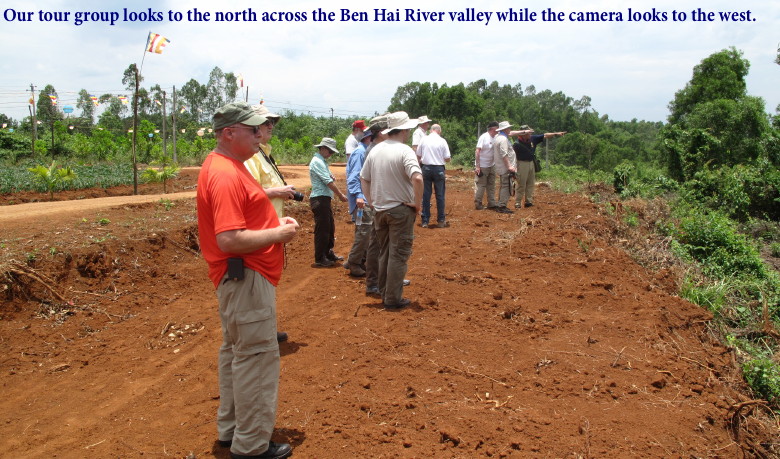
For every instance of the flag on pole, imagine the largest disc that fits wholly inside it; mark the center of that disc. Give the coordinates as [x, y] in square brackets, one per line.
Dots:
[155, 43]
[240, 79]
[93, 99]
[183, 109]
[53, 99]
[158, 102]
[124, 100]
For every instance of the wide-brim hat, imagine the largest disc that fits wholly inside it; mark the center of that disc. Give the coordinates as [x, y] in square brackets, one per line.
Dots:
[525, 127]
[261, 109]
[399, 121]
[424, 119]
[328, 143]
[235, 113]
[504, 125]
[378, 123]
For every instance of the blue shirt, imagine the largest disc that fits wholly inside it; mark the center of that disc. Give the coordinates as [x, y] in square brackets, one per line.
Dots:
[354, 165]
[320, 177]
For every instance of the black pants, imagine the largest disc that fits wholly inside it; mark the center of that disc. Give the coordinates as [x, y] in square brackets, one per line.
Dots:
[324, 227]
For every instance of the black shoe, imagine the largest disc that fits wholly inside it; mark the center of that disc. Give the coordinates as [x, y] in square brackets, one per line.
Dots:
[529, 204]
[423, 225]
[402, 304]
[504, 210]
[225, 443]
[281, 337]
[324, 264]
[274, 451]
[373, 291]
[333, 257]
[478, 207]
[492, 207]
[357, 272]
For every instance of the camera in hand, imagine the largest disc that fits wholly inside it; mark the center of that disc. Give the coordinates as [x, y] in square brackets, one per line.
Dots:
[297, 195]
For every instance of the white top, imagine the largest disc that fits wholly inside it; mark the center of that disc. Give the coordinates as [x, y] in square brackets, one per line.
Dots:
[433, 150]
[485, 145]
[502, 149]
[389, 170]
[418, 135]
[350, 144]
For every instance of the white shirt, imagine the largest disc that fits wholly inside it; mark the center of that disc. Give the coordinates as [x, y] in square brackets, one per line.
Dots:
[433, 150]
[418, 135]
[389, 170]
[350, 144]
[485, 145]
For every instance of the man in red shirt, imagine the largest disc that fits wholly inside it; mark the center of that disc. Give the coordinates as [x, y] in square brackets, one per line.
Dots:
[242, 240]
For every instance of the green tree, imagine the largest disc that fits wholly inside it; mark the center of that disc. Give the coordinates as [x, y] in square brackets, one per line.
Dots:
[46, 111]
[414, 98]
[128, 78]
[193, 96]
[87, 107]
[719, 76]
[220, 90]
[713, 122]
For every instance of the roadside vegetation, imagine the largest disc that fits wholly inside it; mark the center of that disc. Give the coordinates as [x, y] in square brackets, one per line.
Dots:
[700, 192]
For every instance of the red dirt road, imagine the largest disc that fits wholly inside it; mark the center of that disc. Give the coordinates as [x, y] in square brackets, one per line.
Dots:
[529, 335]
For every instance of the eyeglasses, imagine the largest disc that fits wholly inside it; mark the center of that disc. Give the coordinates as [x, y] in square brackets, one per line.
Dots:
[255, 129]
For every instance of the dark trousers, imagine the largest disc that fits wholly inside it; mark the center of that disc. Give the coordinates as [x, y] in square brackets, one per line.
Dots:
[433, 177]
[324, 227]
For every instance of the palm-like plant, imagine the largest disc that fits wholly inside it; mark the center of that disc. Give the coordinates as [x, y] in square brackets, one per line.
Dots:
[51, 176]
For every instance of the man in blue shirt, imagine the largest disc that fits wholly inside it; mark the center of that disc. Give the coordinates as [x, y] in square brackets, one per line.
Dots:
[323, 187]
[357, 203]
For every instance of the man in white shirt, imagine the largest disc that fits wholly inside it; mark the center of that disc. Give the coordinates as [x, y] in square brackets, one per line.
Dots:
[353, 140]
[484, 173]
[392, 183]
[433, 152]
[420, 132]
[505, 164]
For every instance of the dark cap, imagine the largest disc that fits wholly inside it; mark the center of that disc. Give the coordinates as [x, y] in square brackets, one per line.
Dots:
[492, 124]
[237, 112]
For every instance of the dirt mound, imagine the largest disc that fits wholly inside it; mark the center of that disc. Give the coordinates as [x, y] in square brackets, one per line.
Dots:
[528, 335]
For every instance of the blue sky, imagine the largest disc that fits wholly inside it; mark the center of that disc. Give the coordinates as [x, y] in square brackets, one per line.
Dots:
[629, 69]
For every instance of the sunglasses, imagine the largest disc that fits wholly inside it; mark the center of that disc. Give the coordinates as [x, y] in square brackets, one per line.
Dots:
[255, 129]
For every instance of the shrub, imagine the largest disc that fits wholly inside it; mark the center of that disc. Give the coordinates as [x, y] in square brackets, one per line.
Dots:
[712, 239]
[763, 376]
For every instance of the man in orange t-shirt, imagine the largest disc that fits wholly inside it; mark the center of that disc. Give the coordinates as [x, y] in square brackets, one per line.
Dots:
[242, 240]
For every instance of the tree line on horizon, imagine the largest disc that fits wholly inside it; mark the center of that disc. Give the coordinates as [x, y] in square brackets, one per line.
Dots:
[712, 121]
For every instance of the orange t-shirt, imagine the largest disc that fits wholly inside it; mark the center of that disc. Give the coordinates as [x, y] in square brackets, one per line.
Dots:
[229, 198]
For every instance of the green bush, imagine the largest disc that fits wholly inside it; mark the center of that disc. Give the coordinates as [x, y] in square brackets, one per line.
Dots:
[621, 177]
[763, 376]
[741, 191]
[712, 239]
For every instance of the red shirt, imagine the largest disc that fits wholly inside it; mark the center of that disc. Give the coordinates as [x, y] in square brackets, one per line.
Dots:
[229, 198]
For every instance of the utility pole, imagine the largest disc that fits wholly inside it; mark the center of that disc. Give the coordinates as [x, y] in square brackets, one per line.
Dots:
[135, 132]
[33, 113]
[173, 121]
[165, 147]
